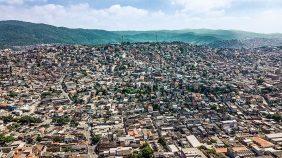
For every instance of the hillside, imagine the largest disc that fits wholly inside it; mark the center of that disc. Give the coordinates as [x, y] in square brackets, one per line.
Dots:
[18, 33]
[24, 33]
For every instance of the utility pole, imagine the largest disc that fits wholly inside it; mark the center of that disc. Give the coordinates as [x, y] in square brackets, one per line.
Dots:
[156, 37]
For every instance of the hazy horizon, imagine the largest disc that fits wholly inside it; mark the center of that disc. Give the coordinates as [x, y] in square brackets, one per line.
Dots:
[259, 16]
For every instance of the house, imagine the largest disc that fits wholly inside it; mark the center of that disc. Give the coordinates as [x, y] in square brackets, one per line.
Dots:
[193, 141]
[240, 151]
[262, 143]
[191, 153]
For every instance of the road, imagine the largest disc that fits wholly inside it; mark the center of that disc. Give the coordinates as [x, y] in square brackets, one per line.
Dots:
[91, 148]
[33, 107]
[91, 152]
[87, 132]
[61, 88]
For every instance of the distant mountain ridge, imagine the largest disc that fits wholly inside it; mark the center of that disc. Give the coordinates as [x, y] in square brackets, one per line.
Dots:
[19, 33]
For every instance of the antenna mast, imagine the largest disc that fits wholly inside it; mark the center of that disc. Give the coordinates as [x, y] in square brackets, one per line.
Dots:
[156, 37]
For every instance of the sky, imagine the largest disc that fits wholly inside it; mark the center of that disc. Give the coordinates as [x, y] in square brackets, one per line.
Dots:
[264, 16]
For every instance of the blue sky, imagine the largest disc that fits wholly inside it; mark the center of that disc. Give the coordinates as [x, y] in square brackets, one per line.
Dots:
[102, 4]
[250, 15]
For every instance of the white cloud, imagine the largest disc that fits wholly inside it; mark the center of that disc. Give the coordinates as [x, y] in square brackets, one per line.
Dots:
[81, 15]
[118, 17]
[201, 6]
[19, 2]
[12, 2]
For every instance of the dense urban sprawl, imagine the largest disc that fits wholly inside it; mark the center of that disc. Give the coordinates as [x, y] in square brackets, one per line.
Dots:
[162, 100]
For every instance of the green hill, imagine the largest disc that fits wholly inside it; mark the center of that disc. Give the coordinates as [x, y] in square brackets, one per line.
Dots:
[18, 33]
[24, 33]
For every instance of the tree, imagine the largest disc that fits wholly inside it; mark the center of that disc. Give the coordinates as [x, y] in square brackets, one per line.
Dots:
[146, 151]
[211, 151]
[45, 94]
[68, 149]
[7, 119]
[181, 49]
[214, 107]
[58, 139]
[95, 139]
[4, 140]
[156, 107]
[84, 72]
[9, 139]
[13, 94]
[29, 140]
[13, 126]
[61, 120]
[162, 142]
[275, 117]
[73, 123]
[28, 120]
[76, 99]
[260, 81]
[213, 141]
[134, 154]
[38, 138]
[202, 147]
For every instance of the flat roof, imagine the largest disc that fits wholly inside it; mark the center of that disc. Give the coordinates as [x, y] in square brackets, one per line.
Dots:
[193, 141]
[274, 135]
[221, 150]
[173, 148]
[262, 143]
[240, 149]
[277, 139]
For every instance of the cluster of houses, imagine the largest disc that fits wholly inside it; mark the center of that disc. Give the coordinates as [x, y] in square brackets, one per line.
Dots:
[181, 100]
